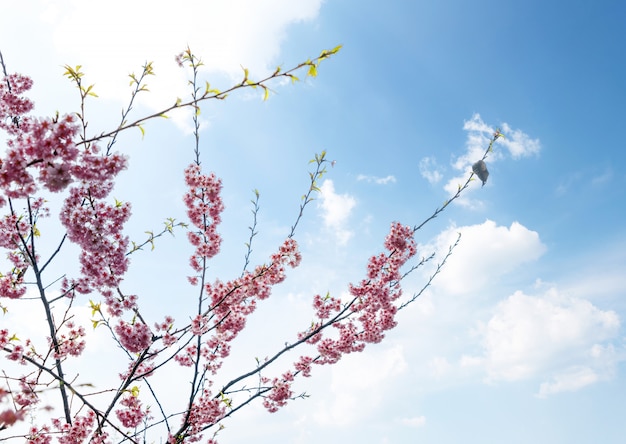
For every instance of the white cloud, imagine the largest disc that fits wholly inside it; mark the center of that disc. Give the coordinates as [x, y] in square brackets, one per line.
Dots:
[336, 211]
[551, 334]
[453, 185]
[517, 143]
[114, 38]
[439, 366]
[354, 397]
[562, 340]
[569, 381]
[430, 170]
[376, 180]
[603, 178]
[601, 364]
[416, 422]
[486, 252]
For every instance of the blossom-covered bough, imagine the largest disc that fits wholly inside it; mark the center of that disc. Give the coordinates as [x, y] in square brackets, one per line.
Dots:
[58, 155]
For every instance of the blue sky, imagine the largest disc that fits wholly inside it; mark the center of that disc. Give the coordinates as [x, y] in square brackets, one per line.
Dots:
[521, 337]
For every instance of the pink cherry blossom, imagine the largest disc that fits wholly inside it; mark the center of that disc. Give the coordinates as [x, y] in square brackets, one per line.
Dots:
[9, 417]
[132, 414]
[134, 337]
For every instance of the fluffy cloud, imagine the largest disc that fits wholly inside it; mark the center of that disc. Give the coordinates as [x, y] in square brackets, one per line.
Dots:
[551, 335]
[416, 422]
[486, 252]
[430, 170]
[558, 338]
[354, 396]
[376, 180]
[336, 210]
[111, 39]
[516, 142]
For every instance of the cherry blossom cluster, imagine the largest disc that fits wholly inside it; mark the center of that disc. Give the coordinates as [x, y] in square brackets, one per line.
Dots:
[13, 230]
[165, 329]
[43, 152]
[71, 343]
[96, 227]
[233, 301]
[280, 392]
[45, 146]
[27, 395]
[230, 304]
[11, 284]
[134, 372]
[132, 414]
[14, 233]
[206, 410]
[370, 312]
[9, 416]
[204, 206]
[363, 320]
[135, 337]
[12, 104]
[78, 431]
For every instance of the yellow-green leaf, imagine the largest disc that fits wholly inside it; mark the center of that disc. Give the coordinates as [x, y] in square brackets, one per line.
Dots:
[94, 307]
